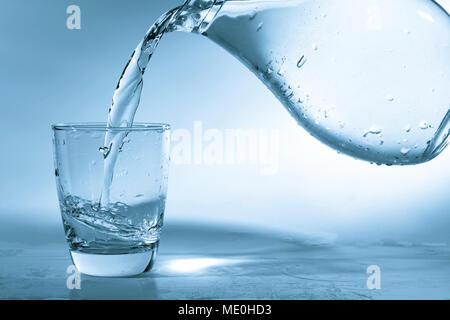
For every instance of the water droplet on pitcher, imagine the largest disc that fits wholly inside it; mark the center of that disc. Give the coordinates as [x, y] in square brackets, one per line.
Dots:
[315, 47]
[424, 125]
[301, 62]
[406, 31]
[408, 128]
[405, 151]
[374, 129]
[259, 27]
[252, 16]
[341, 124]
[389, 98]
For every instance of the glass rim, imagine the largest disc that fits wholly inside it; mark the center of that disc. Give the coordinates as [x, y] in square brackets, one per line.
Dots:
[102, 126]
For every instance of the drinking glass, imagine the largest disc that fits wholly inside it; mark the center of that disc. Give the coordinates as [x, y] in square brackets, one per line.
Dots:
[117, 236]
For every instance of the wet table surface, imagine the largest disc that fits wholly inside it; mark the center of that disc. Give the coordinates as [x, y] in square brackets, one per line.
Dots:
[211, 262]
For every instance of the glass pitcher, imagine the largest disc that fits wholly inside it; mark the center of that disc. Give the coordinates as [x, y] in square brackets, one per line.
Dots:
[369, 78]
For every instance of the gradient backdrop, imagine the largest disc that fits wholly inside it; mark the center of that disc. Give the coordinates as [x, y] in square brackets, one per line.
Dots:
[53, 74]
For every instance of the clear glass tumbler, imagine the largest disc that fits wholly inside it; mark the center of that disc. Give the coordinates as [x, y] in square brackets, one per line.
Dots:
[118, 237]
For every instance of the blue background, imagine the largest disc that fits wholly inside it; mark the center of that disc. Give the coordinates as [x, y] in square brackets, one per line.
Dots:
[53, 74]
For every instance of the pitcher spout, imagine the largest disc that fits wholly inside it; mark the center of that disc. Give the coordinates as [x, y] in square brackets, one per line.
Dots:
[196, 15]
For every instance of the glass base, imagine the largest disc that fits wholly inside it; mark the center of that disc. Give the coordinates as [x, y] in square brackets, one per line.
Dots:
[116, 265]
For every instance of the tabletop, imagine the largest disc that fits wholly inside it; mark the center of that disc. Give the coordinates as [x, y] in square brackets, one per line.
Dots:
[229, 262]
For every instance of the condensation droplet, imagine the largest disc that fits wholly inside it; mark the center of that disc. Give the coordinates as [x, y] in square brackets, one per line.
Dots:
[389, 98]
[259, 27]
[405, 151]
[408, 128]
[301, 62]
[424, 125]
[315, 47]
[374, 129]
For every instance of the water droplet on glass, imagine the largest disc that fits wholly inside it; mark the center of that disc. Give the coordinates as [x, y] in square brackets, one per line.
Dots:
[315, 47]
[341, 124]
[105, 151]
[406, 31]
[389, 98]
[301, 62]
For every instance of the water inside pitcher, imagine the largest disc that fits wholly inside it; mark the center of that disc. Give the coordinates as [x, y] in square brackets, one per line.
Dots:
[370, 78]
